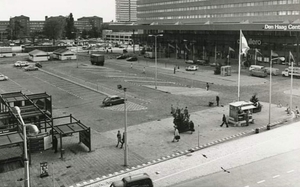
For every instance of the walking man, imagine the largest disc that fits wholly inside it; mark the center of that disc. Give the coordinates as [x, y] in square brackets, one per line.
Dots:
[176, 135]
[144, 70]
[123, 140]
[119, 138]
[207, 86]
[224, 120]
[217, 99]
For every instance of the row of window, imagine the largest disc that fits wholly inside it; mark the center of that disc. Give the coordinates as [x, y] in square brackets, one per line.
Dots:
[262, 3]
[238, 14]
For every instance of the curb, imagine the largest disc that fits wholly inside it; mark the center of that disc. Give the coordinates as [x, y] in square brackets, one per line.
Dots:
[178, 154]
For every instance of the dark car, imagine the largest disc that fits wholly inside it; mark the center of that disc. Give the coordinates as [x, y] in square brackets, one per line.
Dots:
[122, 57]
[112, 100]
[39, 65]
[132, 59]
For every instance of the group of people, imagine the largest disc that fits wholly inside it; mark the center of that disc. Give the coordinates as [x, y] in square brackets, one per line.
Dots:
[121, 140]
[289, 111]
[177, 113]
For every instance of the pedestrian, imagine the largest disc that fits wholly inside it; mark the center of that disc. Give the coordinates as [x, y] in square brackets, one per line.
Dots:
[297, 112]
[172, 110]
[185, 111]
[192, 126]
[123, 140]
[217, 99]
[144, 70]
[176, 135]
[54, 143]
[131, 65]
[224, 120]
[174, 69]
[119, 138]
[207, 86]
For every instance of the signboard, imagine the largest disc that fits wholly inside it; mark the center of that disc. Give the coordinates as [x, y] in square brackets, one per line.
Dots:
[44, 169]
[85, 138]
[282, 27]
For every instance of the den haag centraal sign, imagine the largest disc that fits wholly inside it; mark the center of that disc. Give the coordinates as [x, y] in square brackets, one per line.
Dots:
[283, 27]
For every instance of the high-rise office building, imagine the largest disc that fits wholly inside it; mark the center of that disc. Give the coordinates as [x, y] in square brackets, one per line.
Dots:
[216, 11]
[126, 10]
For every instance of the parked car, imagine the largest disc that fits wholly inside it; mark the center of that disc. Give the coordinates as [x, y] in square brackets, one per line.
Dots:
[191, 68]
[3, 77]
[141, 179]
[133, 58]
[122, 56]
[39, 65]
[31, 68]
[21, 64]
[201, 62]
[189, 62]
[112, 100]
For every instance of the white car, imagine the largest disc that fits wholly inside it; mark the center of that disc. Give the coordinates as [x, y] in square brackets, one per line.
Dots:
[191, 68]
[3, 77]
[21, 64]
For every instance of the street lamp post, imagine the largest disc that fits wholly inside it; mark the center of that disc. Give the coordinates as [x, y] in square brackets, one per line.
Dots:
[270, 87]
[155, 46]
[125, 124]
[17, 110]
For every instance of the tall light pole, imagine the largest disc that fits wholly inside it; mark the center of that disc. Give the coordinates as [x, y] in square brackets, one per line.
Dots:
[270, 86]
[125, 124]
[155, 46]
[16, 110]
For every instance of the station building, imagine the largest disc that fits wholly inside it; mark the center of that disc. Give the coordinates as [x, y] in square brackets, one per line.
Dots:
[198, 27]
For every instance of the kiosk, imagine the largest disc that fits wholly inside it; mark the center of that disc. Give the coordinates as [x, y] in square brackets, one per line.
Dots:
[226, 70]
[240, 113]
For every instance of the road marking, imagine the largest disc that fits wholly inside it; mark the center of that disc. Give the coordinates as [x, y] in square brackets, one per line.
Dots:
[261, 181]
[275, 176]
[290, 171]
[246, 186]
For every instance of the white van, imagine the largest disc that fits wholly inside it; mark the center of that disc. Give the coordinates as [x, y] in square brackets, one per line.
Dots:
[252, 67]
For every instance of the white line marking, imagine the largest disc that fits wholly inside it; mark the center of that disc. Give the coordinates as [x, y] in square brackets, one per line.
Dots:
[276, 176]
[260, 181]
[290, 171]
[246, 186]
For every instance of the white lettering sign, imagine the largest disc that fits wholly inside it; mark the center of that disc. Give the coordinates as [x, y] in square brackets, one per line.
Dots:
[281, 27]
[251, 42]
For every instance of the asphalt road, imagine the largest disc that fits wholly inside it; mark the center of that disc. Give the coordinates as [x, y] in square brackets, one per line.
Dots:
[277, 171]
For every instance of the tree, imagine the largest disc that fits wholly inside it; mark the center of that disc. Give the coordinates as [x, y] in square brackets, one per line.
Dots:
[84, 34]
[53, 28]
[70, 28]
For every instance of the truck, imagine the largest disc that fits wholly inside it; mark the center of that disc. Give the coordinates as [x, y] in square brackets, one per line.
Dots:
[288, 72]
[97, 59]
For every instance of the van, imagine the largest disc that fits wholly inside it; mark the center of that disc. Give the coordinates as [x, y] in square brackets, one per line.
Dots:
[275, 71]
[259, 73]
[252, 67]
[139, 180]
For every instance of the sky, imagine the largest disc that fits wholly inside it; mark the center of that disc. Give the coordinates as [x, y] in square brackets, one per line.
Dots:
[36, 10]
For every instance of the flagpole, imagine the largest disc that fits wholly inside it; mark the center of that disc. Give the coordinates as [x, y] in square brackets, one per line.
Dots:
[215, 53]
[291, 91]
[228, 56]
[270, 89]
[239, 71]
[255, 56]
